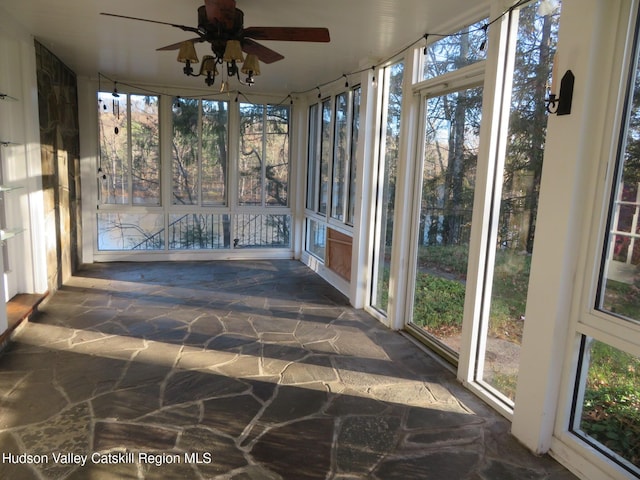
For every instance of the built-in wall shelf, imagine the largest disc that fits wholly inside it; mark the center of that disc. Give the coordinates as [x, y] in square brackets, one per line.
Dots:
[9, 188]
[7, 233]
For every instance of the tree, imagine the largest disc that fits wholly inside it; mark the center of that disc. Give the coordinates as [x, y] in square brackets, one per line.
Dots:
[537, 37]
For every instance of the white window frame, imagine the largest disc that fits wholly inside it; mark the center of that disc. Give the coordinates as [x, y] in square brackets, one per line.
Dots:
[587, 319]
[89, 182]
[579, 155]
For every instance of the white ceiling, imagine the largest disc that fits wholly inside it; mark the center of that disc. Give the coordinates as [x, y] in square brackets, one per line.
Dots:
[362, 31]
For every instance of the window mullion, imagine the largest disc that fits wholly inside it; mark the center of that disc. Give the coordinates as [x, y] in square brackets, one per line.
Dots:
[129, 152]
[200, 114]
[263, 173]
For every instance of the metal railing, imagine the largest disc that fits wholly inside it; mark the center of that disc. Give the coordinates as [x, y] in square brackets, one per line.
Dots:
[196, 231]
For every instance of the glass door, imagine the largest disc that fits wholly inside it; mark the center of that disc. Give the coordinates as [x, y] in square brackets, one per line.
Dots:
[516, 197]
[450, 155]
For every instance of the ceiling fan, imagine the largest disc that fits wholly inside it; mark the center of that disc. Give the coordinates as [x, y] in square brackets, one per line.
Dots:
[221, 24]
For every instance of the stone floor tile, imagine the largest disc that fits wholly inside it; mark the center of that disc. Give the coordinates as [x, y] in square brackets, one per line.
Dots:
[449, 464]
[188, 386]
[298, 450]
[230, 415]
[261, 364]
[122, 436]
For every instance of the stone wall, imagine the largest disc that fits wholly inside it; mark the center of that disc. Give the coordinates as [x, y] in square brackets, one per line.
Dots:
[60, 146]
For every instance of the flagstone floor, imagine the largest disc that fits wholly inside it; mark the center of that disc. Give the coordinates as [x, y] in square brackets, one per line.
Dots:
[235, 370]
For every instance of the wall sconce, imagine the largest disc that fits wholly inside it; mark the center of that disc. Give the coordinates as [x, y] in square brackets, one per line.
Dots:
[560, 103]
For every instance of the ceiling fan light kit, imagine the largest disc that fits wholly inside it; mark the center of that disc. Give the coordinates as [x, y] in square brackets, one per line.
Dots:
[221, 24]
[187, 55]
[251, 68]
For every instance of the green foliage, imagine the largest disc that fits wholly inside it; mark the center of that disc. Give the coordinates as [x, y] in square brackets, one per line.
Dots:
[612, 417]
[445, 258]
[611, 409]
[622, 298]
[439, 302]
[509, 294]
[449, 264]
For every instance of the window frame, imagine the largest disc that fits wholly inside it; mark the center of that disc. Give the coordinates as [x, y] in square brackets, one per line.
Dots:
[316, 126]
[264, 204]
[249, 232]
[130, 203]
[588, 320]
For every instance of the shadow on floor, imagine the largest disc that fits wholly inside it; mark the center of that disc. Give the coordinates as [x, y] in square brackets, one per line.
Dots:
[235, 370]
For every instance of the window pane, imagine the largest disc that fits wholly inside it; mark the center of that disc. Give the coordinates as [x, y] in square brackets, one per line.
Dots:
[341, 145]
[251, 151]
[609, 403]
[199, 231]
[122, 231]
[215, 118]
[114, 149]
[387, 189]
[534, 51]
[355, 132]
[621, 276]
[145, 150]
[452, 125]
[277, 155]
[184, 148]
[312, 165]
[450, 53]
[325, 156]
[262, 231]
[316, 238]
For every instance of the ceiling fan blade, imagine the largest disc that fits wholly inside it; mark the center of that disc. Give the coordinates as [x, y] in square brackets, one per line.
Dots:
[221, 12]
[264, 54]
[181, 27]
[176, 46]
[291, 34]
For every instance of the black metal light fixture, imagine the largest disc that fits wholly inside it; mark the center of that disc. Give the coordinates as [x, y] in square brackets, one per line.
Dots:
[560, 103]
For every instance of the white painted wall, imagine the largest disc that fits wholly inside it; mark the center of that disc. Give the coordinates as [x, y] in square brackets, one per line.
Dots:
[21, 163]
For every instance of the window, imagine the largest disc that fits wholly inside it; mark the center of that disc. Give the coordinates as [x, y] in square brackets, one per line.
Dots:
[130, 231]
[313, 164]
[325, 156]
[340, 157]
[607, 408]
[355, 134]
[450, 155]
[264, 155]
[199, 152]
[455, 51]
[316, 238]
[620, 278]
[331, 166]
[263, 177]
[513, 229]
[606, 400]
[195, 212]
[445, 187]
[387, 171]
[129, 172]
[129, 164]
